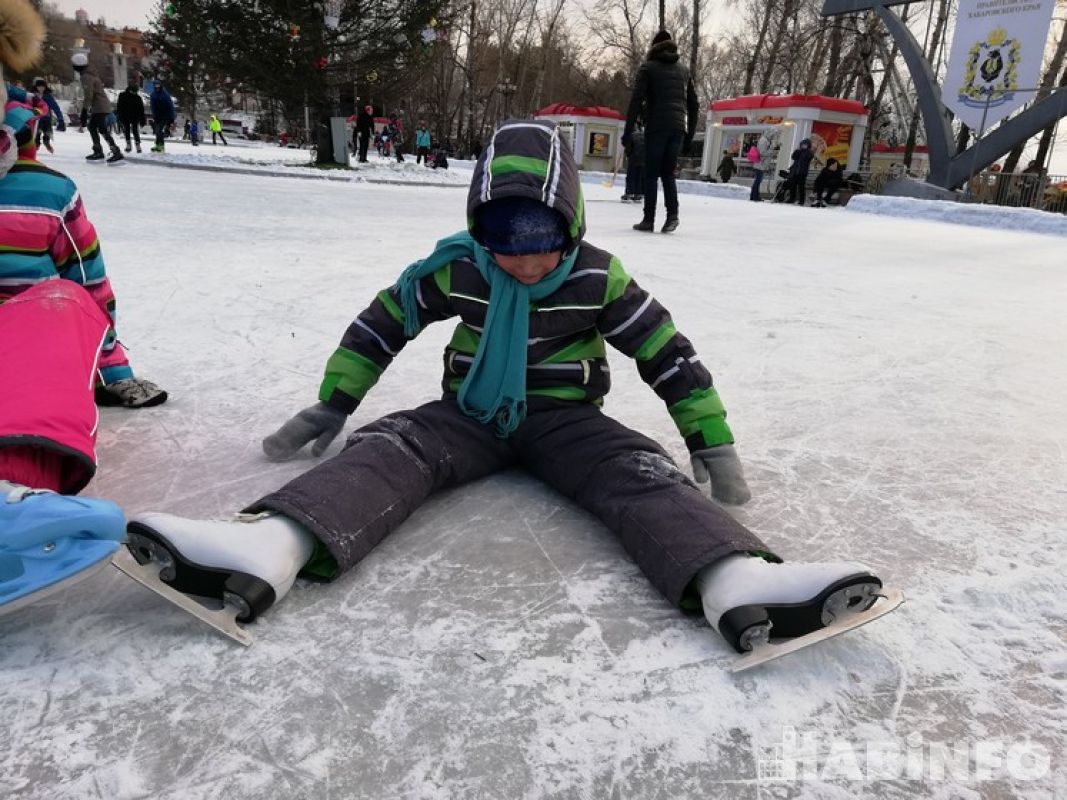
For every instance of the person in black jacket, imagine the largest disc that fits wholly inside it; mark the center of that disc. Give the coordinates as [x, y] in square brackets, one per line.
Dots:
[364, 128]
[798, 172]
[664, 97]
[827, 182]
[131, 115]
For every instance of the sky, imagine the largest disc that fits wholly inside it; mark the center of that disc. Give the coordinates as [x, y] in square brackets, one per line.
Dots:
[119, 13]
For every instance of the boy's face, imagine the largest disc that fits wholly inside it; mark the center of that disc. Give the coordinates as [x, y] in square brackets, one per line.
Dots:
[529, 269]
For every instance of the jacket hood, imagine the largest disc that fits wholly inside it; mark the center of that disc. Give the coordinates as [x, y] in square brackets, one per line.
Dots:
[528, 158]
[666, 51]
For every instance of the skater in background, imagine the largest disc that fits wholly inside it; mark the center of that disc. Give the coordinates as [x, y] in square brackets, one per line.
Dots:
[57, 339]
[422, 144]
[635, 166]
[44, 126]
[760, 157]
[395, 131]
[827, 183]
[131, 115]
[216, 129]
[798, 172]
[363, 131]
[665, 98]
[185, 130]
[194, 132]
[524, 253]
[96, 107]
[163, 113]
[727, 167]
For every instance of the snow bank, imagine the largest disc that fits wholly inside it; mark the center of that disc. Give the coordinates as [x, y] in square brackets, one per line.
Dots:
[980, 216]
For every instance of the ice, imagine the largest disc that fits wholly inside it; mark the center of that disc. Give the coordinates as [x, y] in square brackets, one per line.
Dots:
[897, 391]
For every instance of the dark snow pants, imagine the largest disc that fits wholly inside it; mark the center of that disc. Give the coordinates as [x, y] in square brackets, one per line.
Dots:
[388, 468]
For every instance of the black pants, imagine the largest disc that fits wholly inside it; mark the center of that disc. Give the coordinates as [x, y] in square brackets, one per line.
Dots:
[44, 132]
[798, 188]
[220, 136]
[422, 153]
[364, 143]
[388, 468]
[98, 128]
[661, 159]
[133, 128]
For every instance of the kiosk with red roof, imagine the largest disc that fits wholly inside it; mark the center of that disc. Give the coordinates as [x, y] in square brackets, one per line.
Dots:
[835, 126]
[594, 132]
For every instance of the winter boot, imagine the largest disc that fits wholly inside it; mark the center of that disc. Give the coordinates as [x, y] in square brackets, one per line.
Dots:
[626, 198]
[670, 224]
[157, 148]
[96, 155]
[749, 600]
[252, 560]
[128, 148]
[130, 393]
[138, 148]
[49, 540]
[647, 224]
[116, 155]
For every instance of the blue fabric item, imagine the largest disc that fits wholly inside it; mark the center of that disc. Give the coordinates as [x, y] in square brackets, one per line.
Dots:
[516, 226]
[494, 389]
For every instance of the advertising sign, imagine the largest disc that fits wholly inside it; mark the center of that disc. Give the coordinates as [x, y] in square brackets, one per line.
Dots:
[996, 51]
[831, 140]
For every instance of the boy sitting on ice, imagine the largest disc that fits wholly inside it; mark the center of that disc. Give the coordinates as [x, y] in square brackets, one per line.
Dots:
[524, 379]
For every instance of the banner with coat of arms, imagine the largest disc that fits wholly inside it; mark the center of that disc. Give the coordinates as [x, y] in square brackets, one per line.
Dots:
[997, 50]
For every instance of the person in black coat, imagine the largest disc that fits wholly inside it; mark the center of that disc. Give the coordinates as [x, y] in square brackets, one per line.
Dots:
[364, 128]
[828, 181]
[665, 98]
[131, 115]
[798, 172]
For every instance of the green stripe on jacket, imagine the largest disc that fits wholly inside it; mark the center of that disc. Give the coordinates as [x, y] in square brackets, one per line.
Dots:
[350, 372]
[702, 412]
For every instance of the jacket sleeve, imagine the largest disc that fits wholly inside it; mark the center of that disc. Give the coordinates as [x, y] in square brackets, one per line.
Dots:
[633, 322]
[77, 256]
[692, 109]
[61, 124]
[637, 100]
[376, 337]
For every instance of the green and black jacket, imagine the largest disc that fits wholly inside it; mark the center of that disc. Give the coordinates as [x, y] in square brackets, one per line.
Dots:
[598, 304]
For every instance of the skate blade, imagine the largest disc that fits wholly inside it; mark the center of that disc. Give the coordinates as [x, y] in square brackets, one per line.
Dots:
[55, 588]
[891, 599]
[224, 620]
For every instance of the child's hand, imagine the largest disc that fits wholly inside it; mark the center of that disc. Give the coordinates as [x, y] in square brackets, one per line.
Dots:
[319, 422]
[722, 467]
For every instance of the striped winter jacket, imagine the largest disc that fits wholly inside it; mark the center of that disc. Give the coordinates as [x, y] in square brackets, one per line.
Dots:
[45, 234]
[598, 304]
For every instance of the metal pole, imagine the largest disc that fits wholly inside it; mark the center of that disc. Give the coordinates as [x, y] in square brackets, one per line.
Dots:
[981, 133]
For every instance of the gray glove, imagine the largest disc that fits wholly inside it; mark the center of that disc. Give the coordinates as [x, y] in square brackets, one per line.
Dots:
[722, 466]
[319, 422]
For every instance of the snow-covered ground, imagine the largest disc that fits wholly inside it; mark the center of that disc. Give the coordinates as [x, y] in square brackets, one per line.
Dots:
[897, 389]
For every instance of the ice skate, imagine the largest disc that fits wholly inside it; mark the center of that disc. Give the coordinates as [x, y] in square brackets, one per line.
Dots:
[130, 393]
[751, 602]
[222, 572]
[116, 157]
[49, 541]
[96, 155]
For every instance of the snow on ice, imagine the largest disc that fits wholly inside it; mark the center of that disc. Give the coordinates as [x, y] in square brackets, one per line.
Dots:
[896, 387]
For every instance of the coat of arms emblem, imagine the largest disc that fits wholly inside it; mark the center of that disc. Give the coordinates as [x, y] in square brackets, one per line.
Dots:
[991, 77]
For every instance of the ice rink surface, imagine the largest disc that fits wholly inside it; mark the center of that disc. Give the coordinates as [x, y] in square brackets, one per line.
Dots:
[897, 389]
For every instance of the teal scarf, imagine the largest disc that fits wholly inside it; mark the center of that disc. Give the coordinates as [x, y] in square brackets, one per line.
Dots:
[494, 389]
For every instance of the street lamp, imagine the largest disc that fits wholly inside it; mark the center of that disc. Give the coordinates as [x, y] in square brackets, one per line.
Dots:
[506, 89]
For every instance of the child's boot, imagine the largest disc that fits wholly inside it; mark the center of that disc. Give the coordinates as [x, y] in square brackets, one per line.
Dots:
[748, 600]
[48, 540]
[254, 558]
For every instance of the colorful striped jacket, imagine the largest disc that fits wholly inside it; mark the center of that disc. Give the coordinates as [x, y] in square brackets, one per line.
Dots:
[45, 234]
